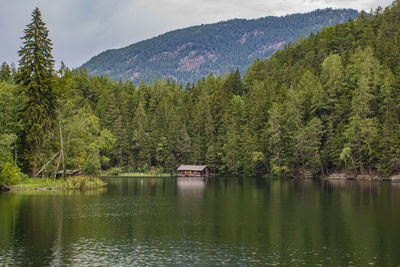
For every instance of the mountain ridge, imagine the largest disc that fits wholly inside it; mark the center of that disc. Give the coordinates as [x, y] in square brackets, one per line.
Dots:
[187, 54]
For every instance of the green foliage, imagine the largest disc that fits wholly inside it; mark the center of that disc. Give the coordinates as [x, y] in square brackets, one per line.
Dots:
[362, 131]
[11, 105]
[5, 72]
[83, 183]
[31, 183]
[327, 103]
[389, 158]
[313, 107]
[7, 144]
[275, 142]
[35, 75]
[10, 174]
[71, 183]
[309, 145]
[232, 146]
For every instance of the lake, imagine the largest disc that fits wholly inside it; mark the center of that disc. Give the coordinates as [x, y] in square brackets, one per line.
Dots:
[220, 221]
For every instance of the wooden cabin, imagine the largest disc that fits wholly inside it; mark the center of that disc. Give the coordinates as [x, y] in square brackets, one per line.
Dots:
[193, 170]
[68, 173]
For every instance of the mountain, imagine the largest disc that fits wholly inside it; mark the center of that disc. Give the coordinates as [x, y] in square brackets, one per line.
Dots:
[188, 54]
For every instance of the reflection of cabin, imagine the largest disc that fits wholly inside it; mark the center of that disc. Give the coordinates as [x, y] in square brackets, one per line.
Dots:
[191, 186]
[193, 170]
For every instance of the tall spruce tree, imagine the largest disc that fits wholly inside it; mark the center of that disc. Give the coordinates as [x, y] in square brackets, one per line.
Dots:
[5, 72]
[35, 76]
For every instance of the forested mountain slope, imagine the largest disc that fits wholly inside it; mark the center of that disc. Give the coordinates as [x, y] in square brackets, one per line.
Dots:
[328, 103]
[186, 55]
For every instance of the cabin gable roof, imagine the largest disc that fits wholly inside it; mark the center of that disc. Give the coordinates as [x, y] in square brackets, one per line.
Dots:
[192, 168]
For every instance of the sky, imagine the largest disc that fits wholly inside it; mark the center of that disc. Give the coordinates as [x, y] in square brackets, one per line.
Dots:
[81, 29]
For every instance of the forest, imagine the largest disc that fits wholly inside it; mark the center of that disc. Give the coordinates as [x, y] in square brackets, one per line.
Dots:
[327, 103]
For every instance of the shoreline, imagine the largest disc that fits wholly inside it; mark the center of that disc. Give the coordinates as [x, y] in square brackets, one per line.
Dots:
[336, 176]
[45, 184]
[138, 174]
[348, 176]
[36, 189]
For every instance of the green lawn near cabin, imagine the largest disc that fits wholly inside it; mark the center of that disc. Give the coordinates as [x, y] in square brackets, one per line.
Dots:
[71, 183]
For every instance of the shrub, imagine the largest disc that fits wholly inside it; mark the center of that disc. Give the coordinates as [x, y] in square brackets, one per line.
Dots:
[92, 166]
[10, 174]
[83, 182]
[115, 171]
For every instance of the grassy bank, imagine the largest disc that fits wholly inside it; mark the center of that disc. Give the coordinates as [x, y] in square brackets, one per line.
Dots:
[71, 183]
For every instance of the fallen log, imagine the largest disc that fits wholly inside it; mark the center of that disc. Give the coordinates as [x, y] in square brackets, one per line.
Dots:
[4, 187]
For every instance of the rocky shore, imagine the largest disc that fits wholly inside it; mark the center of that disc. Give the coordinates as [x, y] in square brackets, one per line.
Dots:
[361, 177]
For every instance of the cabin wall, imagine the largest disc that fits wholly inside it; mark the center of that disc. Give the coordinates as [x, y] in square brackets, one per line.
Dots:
[205, 172]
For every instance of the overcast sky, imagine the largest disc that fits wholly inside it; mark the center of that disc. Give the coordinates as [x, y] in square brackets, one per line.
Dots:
[80, 29]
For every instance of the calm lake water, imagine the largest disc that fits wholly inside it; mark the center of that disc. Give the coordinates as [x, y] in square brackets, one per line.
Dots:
[223, 221]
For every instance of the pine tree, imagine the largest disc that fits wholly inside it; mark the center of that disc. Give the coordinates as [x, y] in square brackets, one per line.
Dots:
[274, 136]
[313, 98]
[293, 124]
[140, 140]
[332, 79]
[35, 75]
[362, 131]
[5, 72]
[233, 122]
[308, 145]
[389, 156]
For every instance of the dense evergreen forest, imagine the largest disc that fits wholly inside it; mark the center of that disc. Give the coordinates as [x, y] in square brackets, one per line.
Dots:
[327, 103]
[189, 54]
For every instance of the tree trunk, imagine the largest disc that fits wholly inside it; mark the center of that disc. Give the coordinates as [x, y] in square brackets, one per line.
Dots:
[58, 165]
[15, 154]
[45, 165]
[320, 162]
[35, 159]
[61, 141]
